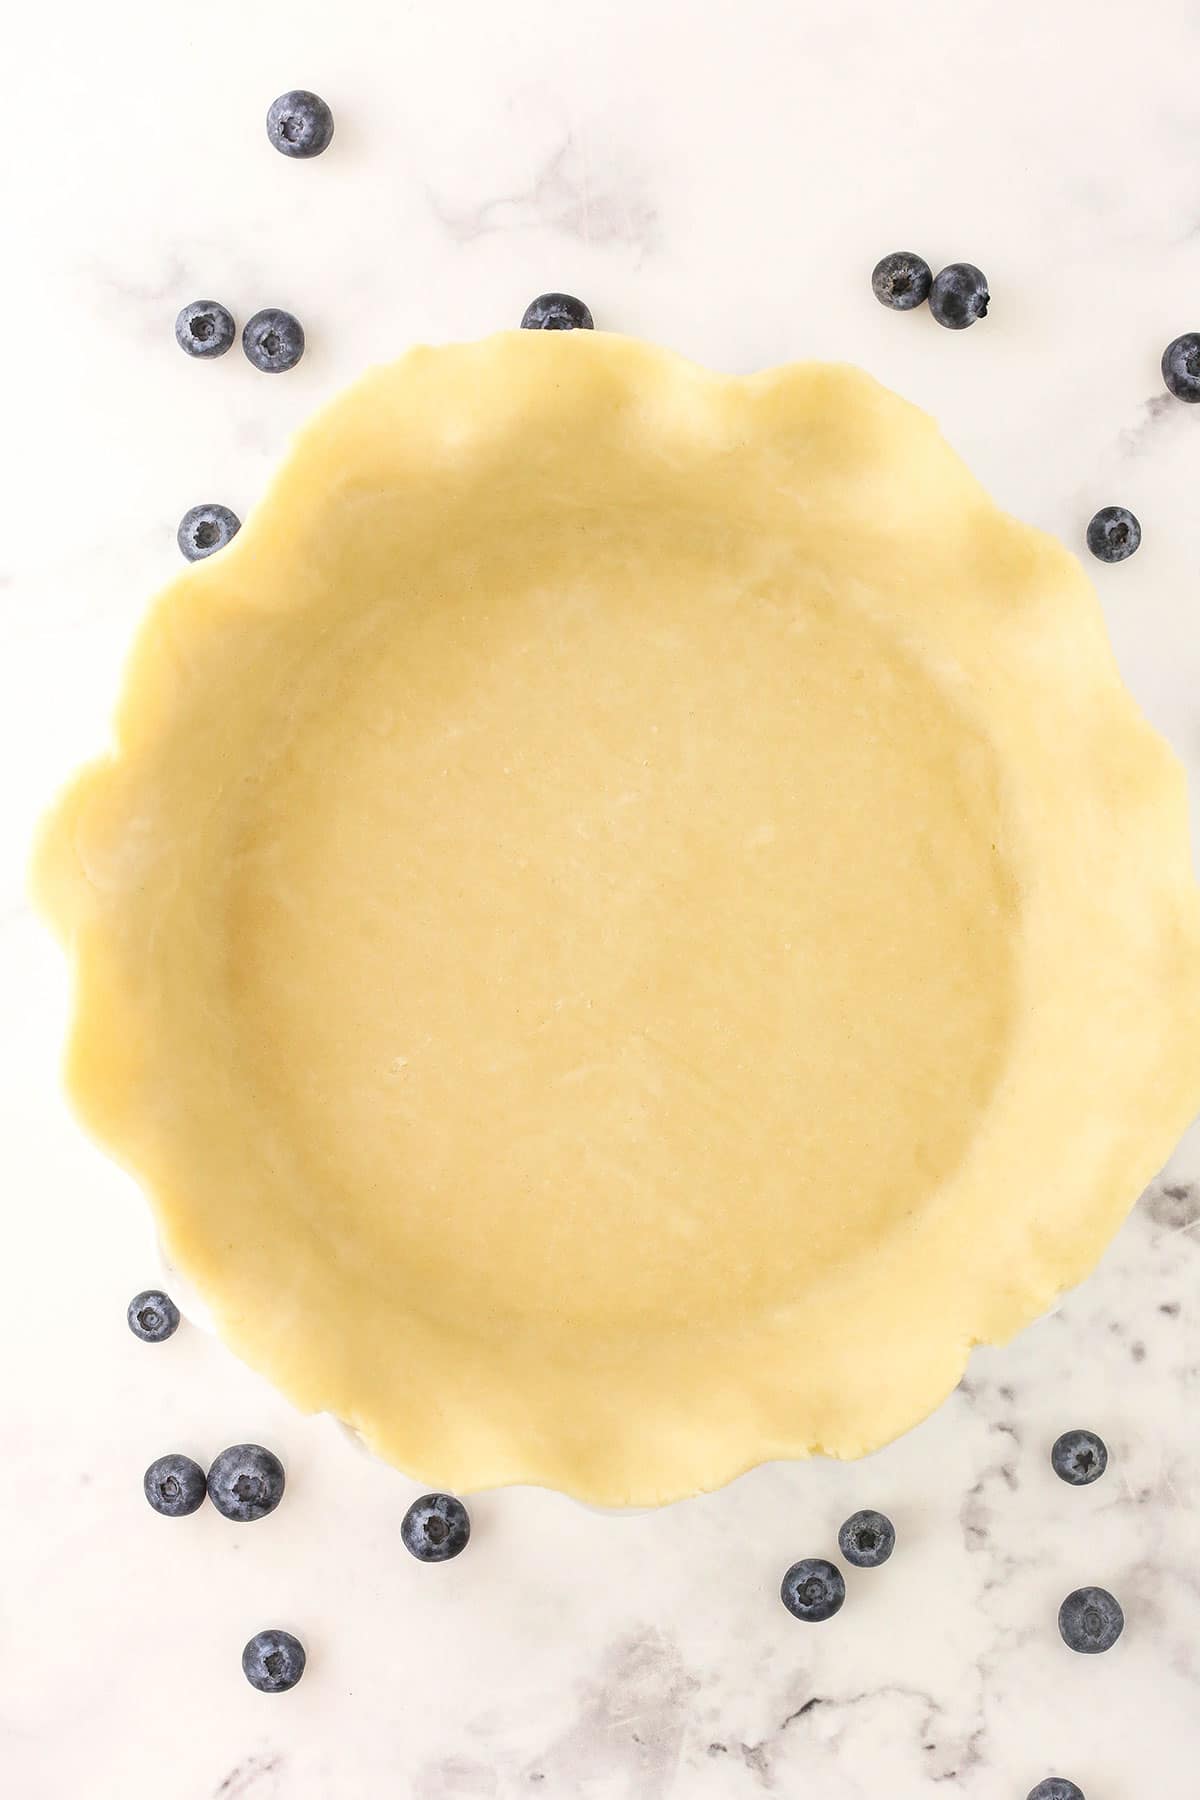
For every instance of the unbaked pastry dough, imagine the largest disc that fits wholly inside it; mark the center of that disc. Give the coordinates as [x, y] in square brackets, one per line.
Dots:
[630, 919]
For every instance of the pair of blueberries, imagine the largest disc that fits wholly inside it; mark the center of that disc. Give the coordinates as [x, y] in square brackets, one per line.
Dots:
[244, 1483]
[814, 1589]
[273, 339]
[957, 295]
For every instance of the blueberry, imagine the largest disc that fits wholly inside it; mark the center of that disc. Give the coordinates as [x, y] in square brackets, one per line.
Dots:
[901, 280]
[556, 312]
[299, 123]
[959, 295]
[1181, 366]
[435, 1528]
[206, 528]
[273, 340]
[175, 1486]
[273, 1661]
[205, 328]
[153, 1316]
[1114, 534]
[1079, 1457]
[1056, 1787]
[246, 1482]
[867, 1539]
[1090, 1620]
[813, 1590]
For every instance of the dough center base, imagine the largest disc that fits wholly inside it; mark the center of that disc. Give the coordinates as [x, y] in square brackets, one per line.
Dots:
[639, 945]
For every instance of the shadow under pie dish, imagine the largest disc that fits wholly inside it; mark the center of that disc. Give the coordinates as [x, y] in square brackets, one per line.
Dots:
[629, 920]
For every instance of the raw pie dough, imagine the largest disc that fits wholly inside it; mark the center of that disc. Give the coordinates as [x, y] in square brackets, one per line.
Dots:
[630, 920]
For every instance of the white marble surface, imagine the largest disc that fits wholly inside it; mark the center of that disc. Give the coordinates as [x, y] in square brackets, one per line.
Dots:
[722, 181]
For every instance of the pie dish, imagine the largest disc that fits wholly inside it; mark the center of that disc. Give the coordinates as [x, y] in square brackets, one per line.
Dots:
[629, 920]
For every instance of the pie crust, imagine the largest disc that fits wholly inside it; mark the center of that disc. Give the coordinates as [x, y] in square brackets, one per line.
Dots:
[629, 921]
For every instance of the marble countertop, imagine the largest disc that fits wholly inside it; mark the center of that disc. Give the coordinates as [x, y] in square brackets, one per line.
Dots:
[722, 182]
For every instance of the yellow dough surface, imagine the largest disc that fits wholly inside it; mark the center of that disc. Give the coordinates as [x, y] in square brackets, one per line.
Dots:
[630, 919]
